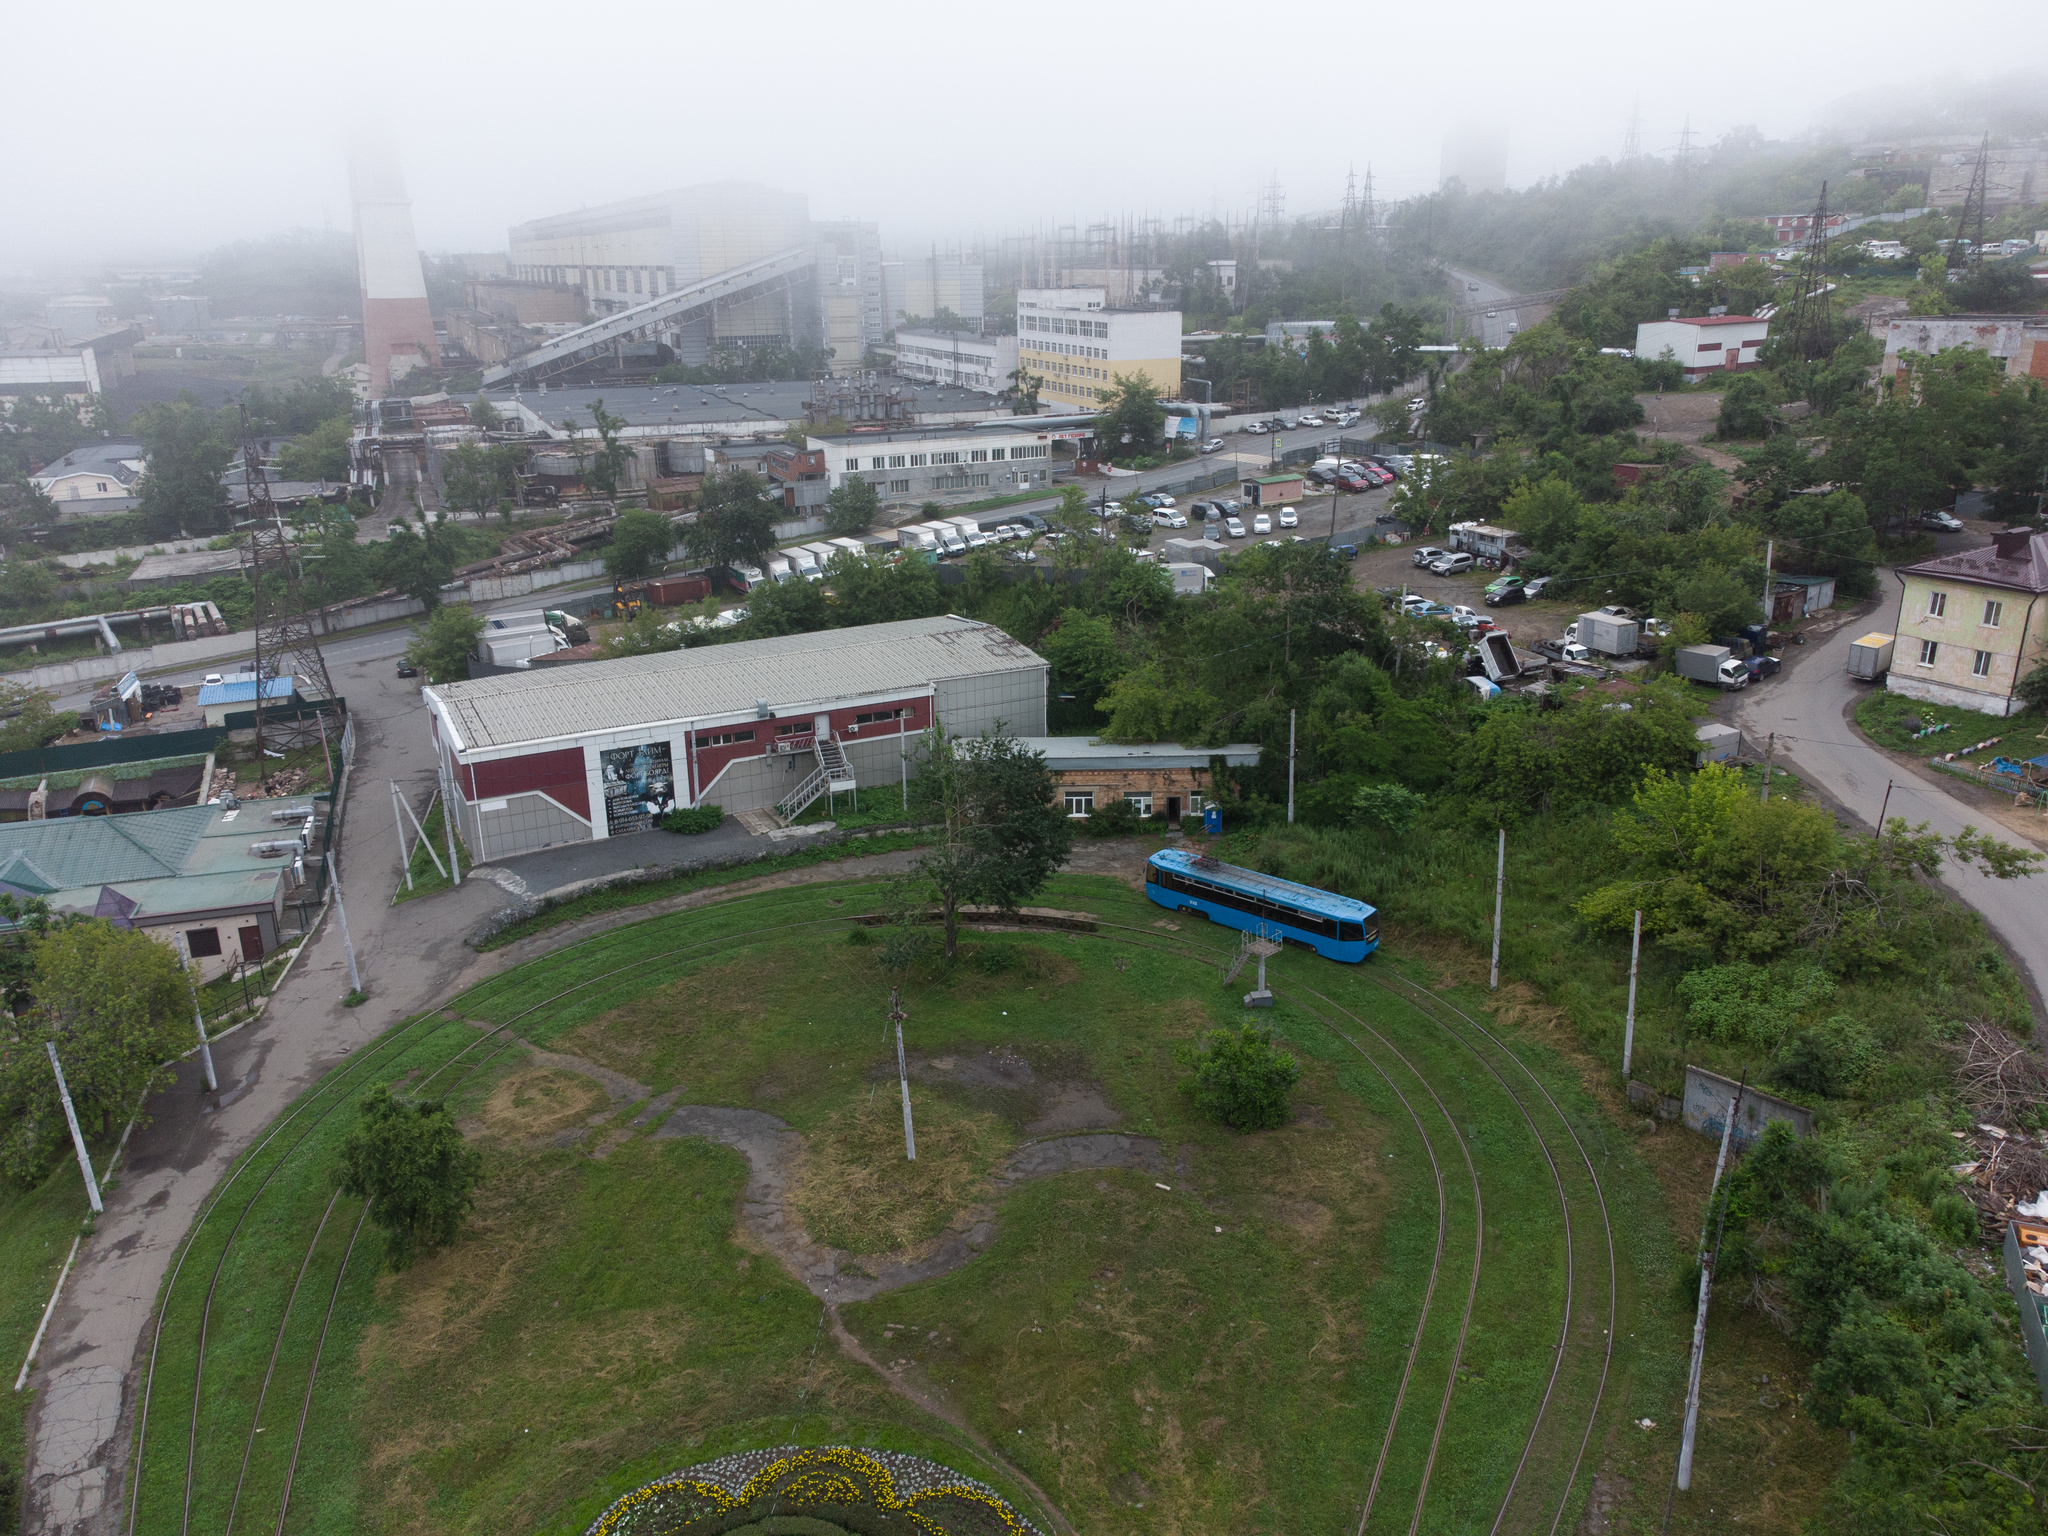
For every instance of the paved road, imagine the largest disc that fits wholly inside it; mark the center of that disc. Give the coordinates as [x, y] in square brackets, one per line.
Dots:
[1471, 288]
[1806, 706]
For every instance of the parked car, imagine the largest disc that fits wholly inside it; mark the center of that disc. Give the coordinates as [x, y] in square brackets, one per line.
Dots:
[1021, 556]
[1414, 600]
[1471, 287]
[1346, 551]
[1309, 421]
[1503, 583]
[1451, 565]
[1505, 596]
[1763, 666]
[1233, 527]
[1941, 520]
[406, 668]
[1258, 429]
[1535, 588]
[210, 679]
[1426, 554]
[1261, 523]
[1320, 476]
[1429, 610]
[1288, 519]
[1166, 517]
[1161, 499]
[1212, 445]
[1463, 616]
[1353, 483]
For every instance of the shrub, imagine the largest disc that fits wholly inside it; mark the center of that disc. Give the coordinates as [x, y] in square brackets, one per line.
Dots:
[694, 819]
[1243, 1079]
[411, 1164]
[1119, 818]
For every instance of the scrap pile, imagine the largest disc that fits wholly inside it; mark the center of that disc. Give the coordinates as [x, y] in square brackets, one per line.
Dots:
[2005, 1084]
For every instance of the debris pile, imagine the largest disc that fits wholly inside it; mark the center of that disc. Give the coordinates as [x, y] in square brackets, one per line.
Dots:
[283, 784]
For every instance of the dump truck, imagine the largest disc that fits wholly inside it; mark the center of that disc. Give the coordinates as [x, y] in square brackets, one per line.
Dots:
[1498, 657]
[1714, 664]
[1871, 657]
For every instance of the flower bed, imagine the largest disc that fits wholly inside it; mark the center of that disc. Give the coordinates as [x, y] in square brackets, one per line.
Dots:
[837, 1486]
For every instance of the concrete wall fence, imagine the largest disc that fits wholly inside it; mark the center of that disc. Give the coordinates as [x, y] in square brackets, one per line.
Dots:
[1706, 1108]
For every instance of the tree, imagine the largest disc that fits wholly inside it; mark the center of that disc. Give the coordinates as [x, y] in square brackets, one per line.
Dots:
[115, 1003]
[484, 415]
[649, 632]
[735, 521]
[1745, 408]
[440, 648]
[603, 467]
[1131, 421]
[1003, 831]
[1022, 395]
[1242, 1078]
[321, 454]
[187, 450]
[410, 1163]
[852, 509]
[1386, 809]
[418, 564]
[28, 719]
[640, 544]
[477, 479]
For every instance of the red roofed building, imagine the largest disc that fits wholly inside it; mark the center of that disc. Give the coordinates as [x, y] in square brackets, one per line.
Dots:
[1705, 343]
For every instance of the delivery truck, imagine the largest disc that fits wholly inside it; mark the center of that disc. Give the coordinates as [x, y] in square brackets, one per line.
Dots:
[804, 563]
[1714, 664]
[1871, 657]
[1606, 635]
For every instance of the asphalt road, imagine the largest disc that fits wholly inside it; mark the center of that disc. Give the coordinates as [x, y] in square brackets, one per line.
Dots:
[1492, 329]
[1807, 706]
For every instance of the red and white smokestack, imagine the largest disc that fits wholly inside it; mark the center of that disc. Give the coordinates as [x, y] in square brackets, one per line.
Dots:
[398, 329]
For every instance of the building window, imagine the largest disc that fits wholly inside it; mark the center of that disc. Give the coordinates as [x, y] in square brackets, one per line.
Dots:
[895, 461]
[1980, 665]
[1927, 652]
[899, 487]
[1937, 604]
[875, 717]
[1994, 611]
[1141, 803]
[978, 456]
[852, 465]
[202, 942]
[1194, 805]
[1080, 802]
[636, 280]
[917, 461]
[792, 728]
[725, 739]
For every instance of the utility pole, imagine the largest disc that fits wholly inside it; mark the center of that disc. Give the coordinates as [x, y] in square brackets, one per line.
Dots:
[198, 1017]
[896, 1016]
[92, 1185]
[1770, 550]
[903, 754]
[1628, 1035]
[404, 854]
[1290, 767]
[1768, 751]
[1699, 1326]
[1500, 883]
[355, 977]
[1885, 807]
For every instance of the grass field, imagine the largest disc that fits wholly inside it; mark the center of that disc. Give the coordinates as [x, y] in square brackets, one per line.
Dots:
[602, 1319]
[39, 1225]
[1892, 721]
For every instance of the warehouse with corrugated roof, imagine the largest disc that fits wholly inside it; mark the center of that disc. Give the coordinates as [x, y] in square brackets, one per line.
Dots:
[608, 748]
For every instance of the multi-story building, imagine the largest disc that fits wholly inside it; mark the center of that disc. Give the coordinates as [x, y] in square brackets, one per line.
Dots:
[960, 358]
[2014, 340]
[1970, 626]
[916, 462]
[851, 302]
[920, 287]
[1077, 344]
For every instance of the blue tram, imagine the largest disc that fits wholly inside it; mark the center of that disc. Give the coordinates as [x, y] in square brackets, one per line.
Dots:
[1335, 927]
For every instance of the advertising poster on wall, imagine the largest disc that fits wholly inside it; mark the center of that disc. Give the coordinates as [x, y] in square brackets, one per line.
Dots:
[639, 787]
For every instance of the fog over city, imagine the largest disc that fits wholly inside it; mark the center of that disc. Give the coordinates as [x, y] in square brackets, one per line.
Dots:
[935, 121]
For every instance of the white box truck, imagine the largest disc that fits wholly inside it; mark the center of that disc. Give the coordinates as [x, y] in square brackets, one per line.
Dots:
[1607, 635]
[1714, 664]
[947, 535]
[822, 553]
[778, 569]
[1871, 657]
[970, 532]
[802, 562]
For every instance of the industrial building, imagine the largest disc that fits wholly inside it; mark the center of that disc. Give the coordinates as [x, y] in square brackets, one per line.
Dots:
[1162, 780]
[1704, 344]
[964, 359]
[38, 360]
[212, 878]
[608, 748]
[1073, 340]
[2018, 341]
[1011, 454]
[924, 287]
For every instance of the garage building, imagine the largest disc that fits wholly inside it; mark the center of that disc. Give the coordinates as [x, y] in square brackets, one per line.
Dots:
[608, 748]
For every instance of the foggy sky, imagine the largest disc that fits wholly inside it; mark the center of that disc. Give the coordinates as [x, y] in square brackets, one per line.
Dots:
[150, 133]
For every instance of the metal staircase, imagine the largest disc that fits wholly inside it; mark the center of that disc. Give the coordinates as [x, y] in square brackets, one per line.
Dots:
[834, 776]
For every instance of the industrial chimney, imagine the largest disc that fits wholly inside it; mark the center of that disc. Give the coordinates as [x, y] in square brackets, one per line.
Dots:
[397, 326]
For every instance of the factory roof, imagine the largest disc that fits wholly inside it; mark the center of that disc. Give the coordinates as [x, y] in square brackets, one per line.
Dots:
[742, 406]
[791, 672]
[1070, 754]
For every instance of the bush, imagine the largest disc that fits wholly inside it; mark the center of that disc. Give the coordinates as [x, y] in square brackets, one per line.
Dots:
[1243, 1079]
[692, 820]
[411, 1164]
[1119, 818]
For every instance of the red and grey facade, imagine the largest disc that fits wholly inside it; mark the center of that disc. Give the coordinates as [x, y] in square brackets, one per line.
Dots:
[604, 749]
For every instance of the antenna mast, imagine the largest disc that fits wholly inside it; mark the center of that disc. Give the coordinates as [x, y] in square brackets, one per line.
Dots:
[286, 645]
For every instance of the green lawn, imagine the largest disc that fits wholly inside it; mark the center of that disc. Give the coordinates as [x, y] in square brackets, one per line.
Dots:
[1891, 720]
[598, 1323]
[39, 1225]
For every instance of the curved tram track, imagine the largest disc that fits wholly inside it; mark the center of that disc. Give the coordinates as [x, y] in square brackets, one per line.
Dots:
[346, 1081]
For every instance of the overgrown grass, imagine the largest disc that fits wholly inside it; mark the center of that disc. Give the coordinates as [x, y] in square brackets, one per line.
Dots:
[641, 892]
[38, 1225]
[1891, 719]
[428, 876]
[597, 1323]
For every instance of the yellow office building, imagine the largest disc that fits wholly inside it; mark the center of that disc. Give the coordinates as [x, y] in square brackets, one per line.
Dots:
[1076, 344]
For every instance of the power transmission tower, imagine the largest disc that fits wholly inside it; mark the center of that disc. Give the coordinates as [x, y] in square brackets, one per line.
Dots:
[1685, 150]
[1810, 328]
[1973, 206]
[1366, 212]
[1632, 143]
[285, 643]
